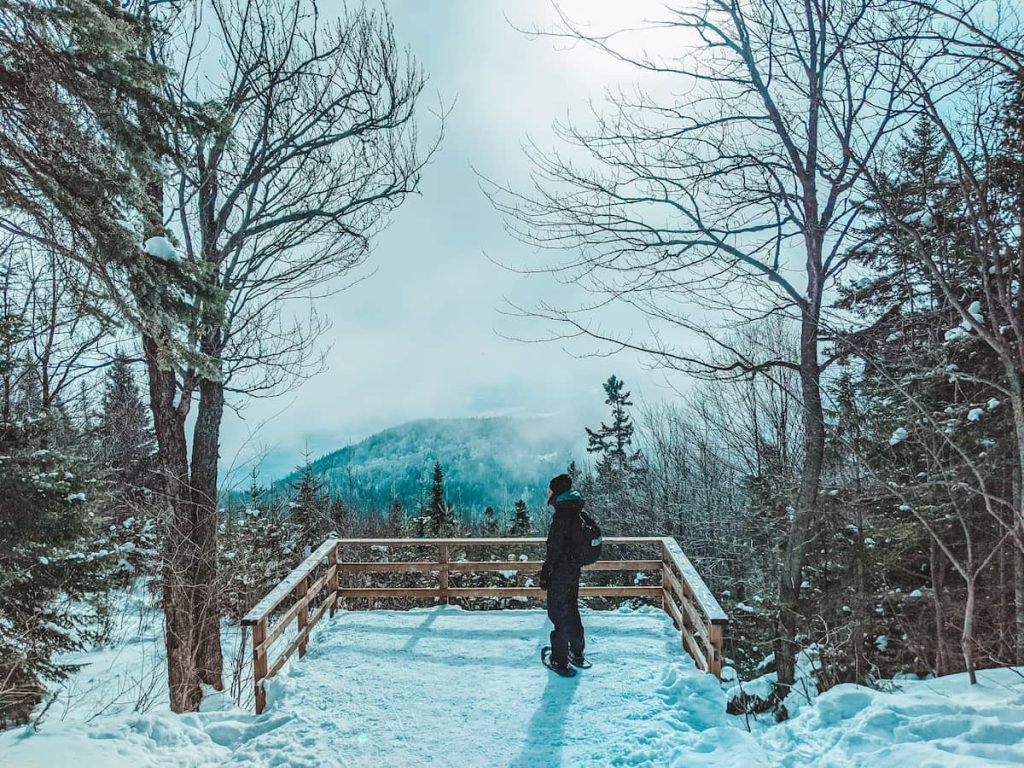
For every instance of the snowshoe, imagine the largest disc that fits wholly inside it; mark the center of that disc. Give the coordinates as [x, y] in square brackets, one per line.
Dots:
[564, 671]
[580, 661]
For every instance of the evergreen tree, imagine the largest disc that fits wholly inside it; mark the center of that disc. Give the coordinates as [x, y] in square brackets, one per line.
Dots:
[126, 440]
[522, 525]
[339, 516]
[45, 559]
[11, 330]
[441, 514]
[914, 407]
[396, 519]
[491, 527]
[28, 395]
[258, 548]
[617, 462]
[310, 507]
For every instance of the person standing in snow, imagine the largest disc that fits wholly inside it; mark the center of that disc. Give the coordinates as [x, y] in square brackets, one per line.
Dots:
[560, 576]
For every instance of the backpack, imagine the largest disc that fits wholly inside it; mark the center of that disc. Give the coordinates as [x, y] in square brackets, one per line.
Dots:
[590, 540]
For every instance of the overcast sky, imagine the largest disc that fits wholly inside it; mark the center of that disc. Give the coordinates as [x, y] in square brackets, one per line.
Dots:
[424, 335]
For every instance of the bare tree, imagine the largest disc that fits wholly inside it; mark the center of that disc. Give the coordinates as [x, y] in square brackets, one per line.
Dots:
[51, 338]
[739, 197]
[313, 144]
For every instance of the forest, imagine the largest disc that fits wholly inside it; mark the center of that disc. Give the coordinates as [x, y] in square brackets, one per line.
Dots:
[817, 222]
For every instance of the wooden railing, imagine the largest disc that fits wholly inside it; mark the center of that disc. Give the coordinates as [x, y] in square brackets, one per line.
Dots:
[314, 588]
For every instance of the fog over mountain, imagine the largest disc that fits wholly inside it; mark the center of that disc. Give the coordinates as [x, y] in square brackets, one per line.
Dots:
[486, 461]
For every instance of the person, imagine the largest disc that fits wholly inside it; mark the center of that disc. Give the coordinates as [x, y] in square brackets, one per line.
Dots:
[560, 575]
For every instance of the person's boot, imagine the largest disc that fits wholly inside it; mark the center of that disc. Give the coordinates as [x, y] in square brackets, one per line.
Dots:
[579, 660]
[561, 668]
[558, 667]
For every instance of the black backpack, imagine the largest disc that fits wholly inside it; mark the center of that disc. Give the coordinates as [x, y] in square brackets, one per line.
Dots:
[590, 540]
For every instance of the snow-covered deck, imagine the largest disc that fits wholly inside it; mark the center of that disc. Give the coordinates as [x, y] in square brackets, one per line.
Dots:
[452, 688]
[448, 687]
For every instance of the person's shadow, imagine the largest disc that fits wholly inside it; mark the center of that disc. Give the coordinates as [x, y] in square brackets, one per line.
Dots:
[545, 735]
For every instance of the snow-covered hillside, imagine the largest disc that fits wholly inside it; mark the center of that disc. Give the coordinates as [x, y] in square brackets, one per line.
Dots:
[487, 461]
[448, 687]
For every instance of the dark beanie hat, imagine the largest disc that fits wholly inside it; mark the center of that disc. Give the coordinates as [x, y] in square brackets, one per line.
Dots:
[560, 484]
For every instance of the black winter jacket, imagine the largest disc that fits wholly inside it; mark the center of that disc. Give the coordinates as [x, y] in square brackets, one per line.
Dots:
[563, 543]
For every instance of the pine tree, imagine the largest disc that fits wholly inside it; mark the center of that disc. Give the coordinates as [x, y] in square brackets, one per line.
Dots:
[339, 516]
[491, 527]
[441, 514]
[919, 382]
[617, 461]
[255, 492]
[310, 506]
[45, 530]
[522, 525]
[28, 395]
[396, 519]
[11, 330]
[126, 440]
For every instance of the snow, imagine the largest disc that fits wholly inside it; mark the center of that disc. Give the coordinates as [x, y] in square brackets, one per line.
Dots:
[942, 722]
[437, 686]
[898, 436]
[863, 282]
[161, 248]
[924, 218]
[975, 311]
[955, 334]
[444, 686]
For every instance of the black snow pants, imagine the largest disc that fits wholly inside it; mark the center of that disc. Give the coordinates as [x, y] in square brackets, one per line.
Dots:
[564, 612]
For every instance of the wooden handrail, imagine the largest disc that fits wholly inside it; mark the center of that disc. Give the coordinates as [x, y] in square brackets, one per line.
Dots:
[693, 608]
[503, 541]
[682, 592]
[276, 596]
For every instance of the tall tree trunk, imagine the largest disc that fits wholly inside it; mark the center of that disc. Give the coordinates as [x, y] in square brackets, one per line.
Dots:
[180, 554]
[807, 501]
[178, 547]
[941, 649]
[1018, 576]
[206, 607]
[1018, 604]
[967, 637]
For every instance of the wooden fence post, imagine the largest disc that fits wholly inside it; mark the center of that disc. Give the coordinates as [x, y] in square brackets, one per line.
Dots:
[259, 664]
[332, 584]
[303, 616]
[661, 573]
[442, 558]
[715, 652]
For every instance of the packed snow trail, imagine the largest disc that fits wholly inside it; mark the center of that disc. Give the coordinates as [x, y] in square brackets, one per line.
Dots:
[448, 688]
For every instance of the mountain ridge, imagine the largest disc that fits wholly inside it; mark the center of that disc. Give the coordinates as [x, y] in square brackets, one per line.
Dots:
[487, 461]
